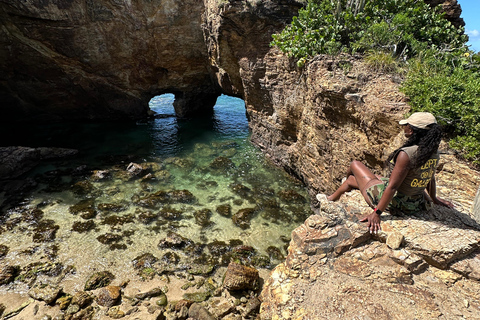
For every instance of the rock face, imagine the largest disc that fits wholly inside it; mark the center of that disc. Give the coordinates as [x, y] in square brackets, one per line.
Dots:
[85, 59]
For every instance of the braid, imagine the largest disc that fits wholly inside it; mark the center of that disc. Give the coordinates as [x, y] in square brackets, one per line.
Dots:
[427, 140]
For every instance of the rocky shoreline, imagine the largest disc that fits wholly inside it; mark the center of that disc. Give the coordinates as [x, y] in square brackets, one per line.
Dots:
[418, 267]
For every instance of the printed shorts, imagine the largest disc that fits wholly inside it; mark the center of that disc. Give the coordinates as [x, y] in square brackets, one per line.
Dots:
[375, 192]
[400, 203]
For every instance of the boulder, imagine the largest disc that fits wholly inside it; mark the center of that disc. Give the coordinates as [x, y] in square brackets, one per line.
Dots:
[240, 277]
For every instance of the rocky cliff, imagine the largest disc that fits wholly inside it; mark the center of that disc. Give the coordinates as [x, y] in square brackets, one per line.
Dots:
[84, 59]
[105, 59]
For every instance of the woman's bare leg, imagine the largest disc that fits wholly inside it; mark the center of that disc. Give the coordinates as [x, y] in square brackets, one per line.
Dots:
[358, 177]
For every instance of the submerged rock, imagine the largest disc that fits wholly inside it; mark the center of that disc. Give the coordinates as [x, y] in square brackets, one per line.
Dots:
[241, 190]
[112, 207]
[8, 273]
[242, 217]
[109, 238]
[170, 213]
[99, 280]
[181, 196]
[224, 210]
[174, 241]
[83, 188]
[202, 217]
[45, 231]
[291, 196]
[84, 208]
[82, 227]
[146, 260]
[146, 216]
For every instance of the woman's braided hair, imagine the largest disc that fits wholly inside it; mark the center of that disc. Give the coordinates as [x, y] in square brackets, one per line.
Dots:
[427, 140]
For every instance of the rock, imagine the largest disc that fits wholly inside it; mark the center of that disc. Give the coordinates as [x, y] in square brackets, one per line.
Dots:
[7, 273]
[109, 296]
[476, 206]
[196, 311]
[83, 188]
[394, 240]
[100, 175]
[85, 208]
[146, 260]
[45, 231]
[253, 306]
[63, 302]
[202, 217]
[174, 240]
[469, 267]
[45, 292]
[196, 296]
[82, 299]
[82, 227]
[224, 210]
[115, 313]
[221, 307]
[135, 170]
[242, 217]
[98, 280]
[240, 277]
[19, 160]
[156, 292]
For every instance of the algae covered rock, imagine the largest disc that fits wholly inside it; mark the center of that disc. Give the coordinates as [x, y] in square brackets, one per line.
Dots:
[99, 280]
[82, 227]
[202, 217]
[84, 208]
[242, 217]
[45, 231]
[224, 210]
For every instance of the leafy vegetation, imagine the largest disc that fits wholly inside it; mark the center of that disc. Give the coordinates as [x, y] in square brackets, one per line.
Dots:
[442, 73]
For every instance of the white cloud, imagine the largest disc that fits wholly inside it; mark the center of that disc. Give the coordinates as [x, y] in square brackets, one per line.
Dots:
[473, 34]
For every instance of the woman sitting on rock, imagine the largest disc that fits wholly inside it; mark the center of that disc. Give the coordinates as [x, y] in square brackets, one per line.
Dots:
[413, 172]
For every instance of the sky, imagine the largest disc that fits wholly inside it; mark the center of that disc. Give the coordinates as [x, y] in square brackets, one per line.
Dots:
[470, 14]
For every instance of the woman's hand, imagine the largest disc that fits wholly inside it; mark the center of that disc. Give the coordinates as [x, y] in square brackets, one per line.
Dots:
[443, 202]
[373, 220]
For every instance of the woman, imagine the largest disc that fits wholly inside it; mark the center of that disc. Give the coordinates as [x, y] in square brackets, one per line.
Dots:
[413, 173]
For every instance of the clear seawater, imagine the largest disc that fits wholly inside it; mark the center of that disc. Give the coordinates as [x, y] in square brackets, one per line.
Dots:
[183, 155]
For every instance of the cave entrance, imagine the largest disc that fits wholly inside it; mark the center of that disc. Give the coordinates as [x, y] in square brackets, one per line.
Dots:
[228, 119]
[162, 105]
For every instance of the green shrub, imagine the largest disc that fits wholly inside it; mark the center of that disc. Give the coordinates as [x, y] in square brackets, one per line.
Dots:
[447, 85]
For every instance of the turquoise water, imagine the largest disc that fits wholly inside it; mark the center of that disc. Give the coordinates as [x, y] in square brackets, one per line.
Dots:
[211, 158]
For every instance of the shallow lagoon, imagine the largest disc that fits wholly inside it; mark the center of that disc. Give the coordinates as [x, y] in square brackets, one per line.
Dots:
[133, 211]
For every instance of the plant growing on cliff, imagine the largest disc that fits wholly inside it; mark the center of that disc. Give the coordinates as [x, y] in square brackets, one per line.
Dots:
[400, 27]
[447, 84]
